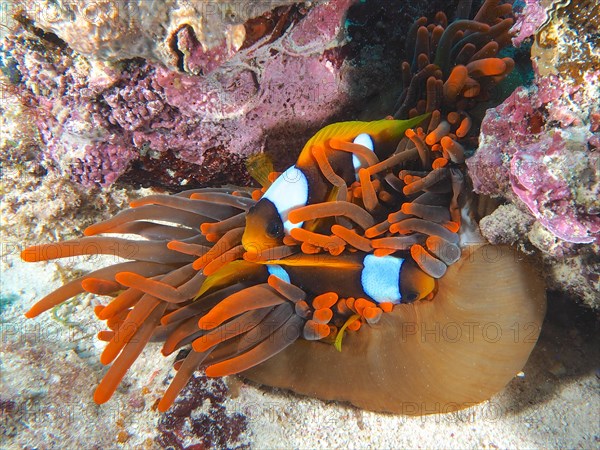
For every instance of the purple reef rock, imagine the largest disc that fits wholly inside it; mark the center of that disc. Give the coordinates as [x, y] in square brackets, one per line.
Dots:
[547, 176]
[534, 147]
[532, 16]
[182, 95]
[99, 120]
[539, 150]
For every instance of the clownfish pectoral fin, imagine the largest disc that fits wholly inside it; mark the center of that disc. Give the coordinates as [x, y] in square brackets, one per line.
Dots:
[259, 166]
[337, 343]
[230, 273]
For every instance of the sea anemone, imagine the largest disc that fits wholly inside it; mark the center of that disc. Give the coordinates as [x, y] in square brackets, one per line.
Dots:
[369, 239]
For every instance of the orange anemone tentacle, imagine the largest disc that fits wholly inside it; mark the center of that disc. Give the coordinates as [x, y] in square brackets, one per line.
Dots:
[332, 209]
[132, 349]
[254, 297]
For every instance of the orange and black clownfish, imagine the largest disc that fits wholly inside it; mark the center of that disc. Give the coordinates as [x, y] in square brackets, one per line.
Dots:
[389, 279]
[339, 150]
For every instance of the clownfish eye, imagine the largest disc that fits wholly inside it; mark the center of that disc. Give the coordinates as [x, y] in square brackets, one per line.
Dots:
[410, 297]
[274, 229]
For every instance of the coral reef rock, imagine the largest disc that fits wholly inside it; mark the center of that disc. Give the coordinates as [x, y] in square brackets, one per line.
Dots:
[115, 95]
[160, 31]
[540, 149]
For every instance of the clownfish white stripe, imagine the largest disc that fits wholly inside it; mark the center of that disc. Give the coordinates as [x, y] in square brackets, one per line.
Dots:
[279, 272]
[366, 141]
[380, 278]
[288, 191]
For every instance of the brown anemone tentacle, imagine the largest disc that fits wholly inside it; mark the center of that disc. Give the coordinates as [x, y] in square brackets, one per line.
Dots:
[332, 244]
[223, 190]
[245, 341]
[413, 225]
[122, 302]
[377, 229]
[185, 333]
[394, 160]
[223, 226]
[167, 288]
[229, 240]
[188, 248]
[149, 212]
[276, 337]
[352, 238]
[424, 153]
[154, 231]
[398, 242]
[201, 305]
[191, 363]
[332, 209]
[445, 251]
[363, 153]
[487, 12]
[236, 201]
[369, 195]
[445, 45]
[230, 255]
[433, 178]
[411, 38]
[457, 178]
[413, 90]
[151, 251]
[394, 182]
[170, 291]
[439, 214]
[100, 286]
[215, 211]
[438, 133]
[229, 330]
[73, 288]
[293, 293]
[318, 153]
[428, 264]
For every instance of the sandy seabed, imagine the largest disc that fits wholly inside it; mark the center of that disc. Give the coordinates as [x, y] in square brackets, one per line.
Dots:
[50, 367]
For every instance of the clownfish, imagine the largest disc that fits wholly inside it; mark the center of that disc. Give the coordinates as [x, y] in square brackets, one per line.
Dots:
[382, 279]
[339, 150]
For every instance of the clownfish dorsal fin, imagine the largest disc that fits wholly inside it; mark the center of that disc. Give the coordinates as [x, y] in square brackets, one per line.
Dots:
[381, 131]
[387, 129]
[259, 166]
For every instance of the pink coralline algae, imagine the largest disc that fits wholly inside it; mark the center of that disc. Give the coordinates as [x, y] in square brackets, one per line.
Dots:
[517, 122]
[532, 16]
[539, 149]
[546, 177]
[182, 127]
[536, 148]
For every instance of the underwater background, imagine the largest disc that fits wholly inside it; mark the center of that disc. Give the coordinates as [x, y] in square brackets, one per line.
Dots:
[104, 102]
